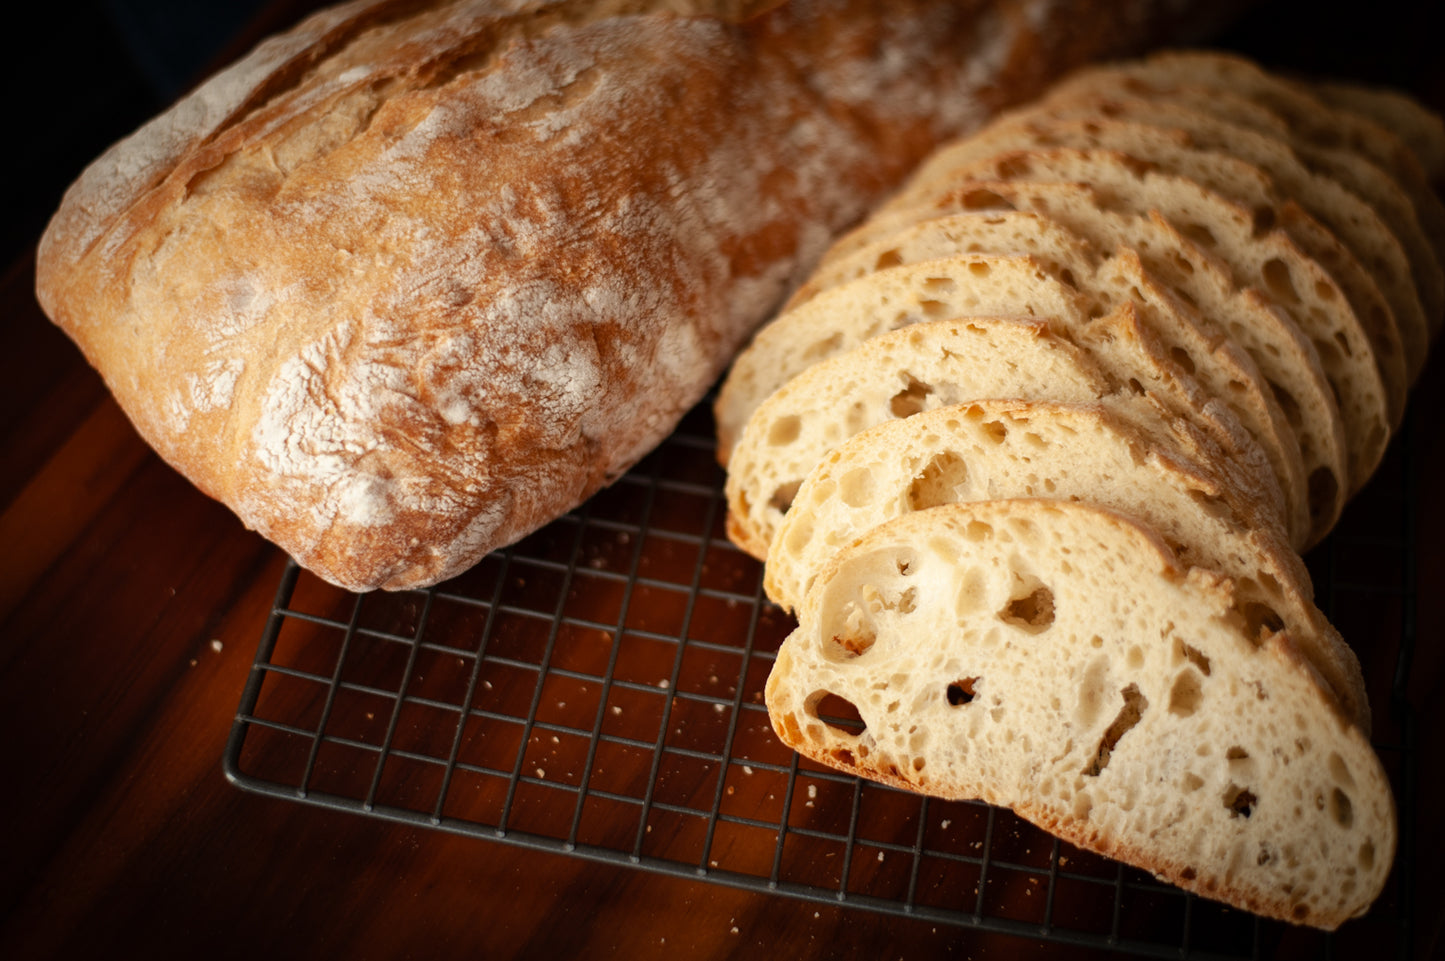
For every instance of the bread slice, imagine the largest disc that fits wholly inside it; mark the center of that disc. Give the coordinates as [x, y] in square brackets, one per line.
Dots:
[1369, 390]
[1003, 449]
[1222, 369]
[1317, 424]
[1372, 174]
[934, 364]
[1057, 659]
[1010, 232]
[1256, 171]
[1421, 129]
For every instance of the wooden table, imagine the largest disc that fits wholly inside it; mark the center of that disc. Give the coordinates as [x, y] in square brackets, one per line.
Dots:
[130, 612]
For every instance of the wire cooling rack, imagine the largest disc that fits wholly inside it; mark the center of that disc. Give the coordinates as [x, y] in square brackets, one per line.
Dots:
[597, 690]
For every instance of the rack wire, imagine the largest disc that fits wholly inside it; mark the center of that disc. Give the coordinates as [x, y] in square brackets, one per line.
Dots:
[596, 690]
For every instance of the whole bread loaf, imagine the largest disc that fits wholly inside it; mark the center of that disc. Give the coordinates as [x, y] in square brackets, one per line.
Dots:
[414, 278]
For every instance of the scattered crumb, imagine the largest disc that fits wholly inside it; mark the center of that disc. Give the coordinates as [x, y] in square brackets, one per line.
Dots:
[193, 662]
[945, 825]
[734, 930]
[812, 791]
[541, 773]
[216, 645]
[616, 709]
[719, 708]
[664, 684]
[556, 739]
[880, 857]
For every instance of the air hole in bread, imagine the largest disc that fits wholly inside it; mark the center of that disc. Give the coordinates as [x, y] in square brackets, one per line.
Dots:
[1264, 219]
[1342, 811]
[979, 268]
[1139, 168]
[1367, 854]
[855, 488]
[1278, 282]
[978, 531]
[1200, 234]
[1287, 403]
[1067, 278]
[1340, 771]
[1195, 657]
[889, 258]
[1181, 357]
[785, 430]
[1135, 704]
[1192, 782]
[1010, 168]
[838, 713]
[985, 200]
[1260, 620]
[783, 495]
[961, 692]
[823, 348]
[911, 399]
[938, 482]
[1182, 264]
[1344, 344]
[1032, 612]
[995, 431]
[945, 285]
[1187, 694]
[1324, 291]
[1188, 874]
[932, 309]
[1324, 491]
[1240, 801]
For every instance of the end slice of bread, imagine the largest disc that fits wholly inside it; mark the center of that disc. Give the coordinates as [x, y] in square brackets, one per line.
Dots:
[1057, 659]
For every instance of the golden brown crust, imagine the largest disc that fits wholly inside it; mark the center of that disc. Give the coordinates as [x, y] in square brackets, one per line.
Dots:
[415, 278]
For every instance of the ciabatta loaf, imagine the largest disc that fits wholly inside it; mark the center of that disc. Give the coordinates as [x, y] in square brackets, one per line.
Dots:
[1058, 660]
[412, 279]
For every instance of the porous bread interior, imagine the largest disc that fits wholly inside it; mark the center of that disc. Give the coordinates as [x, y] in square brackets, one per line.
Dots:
[1307, 300]
[920, 367]
[1108, 456]
[1316, 426]
[1369, 173]
[1220, 148]
[1053, 658]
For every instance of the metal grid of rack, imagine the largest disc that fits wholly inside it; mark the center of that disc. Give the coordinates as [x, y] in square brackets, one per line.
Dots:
[597, 690]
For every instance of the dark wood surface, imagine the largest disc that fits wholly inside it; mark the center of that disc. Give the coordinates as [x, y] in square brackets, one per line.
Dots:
[130, 611]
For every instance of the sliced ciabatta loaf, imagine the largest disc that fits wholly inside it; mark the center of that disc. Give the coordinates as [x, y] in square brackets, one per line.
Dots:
[1422, 130]
[1378, 174]
[1205, 152]
[941, 363]
[1197, 279]
[1058, 660]
[1315, 420]
[1369, 388]
[963, 286]
[1108, 456]
[1219, 133]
